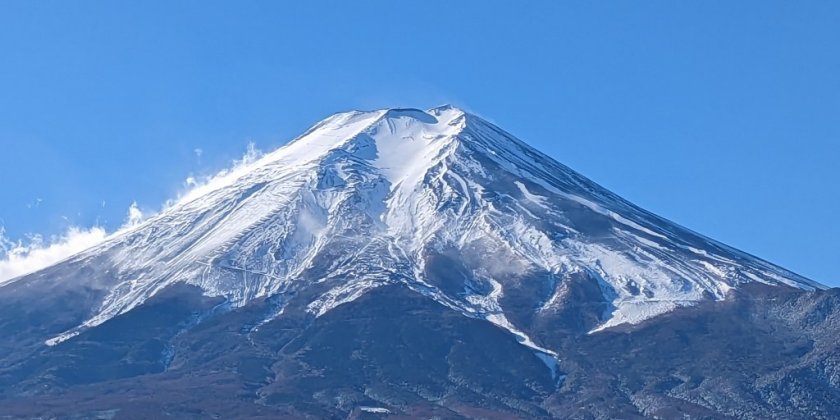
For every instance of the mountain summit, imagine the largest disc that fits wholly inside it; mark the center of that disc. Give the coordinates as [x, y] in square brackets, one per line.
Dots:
[422, 212]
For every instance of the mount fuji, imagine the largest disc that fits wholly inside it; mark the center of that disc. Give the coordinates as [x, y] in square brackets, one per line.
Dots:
[414, 263]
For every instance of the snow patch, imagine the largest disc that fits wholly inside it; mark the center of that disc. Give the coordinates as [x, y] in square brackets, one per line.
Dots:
[375, 410]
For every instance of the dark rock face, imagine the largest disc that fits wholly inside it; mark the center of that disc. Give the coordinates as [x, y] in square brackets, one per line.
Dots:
[748, 357]
[767, 352]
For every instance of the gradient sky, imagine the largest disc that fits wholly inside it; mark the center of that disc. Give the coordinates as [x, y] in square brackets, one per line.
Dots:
[722, 116]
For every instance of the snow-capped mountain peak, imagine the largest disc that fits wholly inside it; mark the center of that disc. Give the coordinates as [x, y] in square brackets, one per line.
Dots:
[439, 201]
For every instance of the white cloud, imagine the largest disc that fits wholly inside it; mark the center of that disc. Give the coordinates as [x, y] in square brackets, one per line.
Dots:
[135, 216]
[19, 258]
[23, 257]
[35, 203]
[198, 186]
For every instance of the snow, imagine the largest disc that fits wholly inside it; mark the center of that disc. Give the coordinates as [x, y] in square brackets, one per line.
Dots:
[361, 199]
[375, 410]
[551, 363]
[61, 338]
[634, 312]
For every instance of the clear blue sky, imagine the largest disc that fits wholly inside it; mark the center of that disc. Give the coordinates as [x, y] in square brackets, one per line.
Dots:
[723, 116]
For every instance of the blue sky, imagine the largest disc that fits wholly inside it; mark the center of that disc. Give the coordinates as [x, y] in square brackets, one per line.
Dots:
[719, 115]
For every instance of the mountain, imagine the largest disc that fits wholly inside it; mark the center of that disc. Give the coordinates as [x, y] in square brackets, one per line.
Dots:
[415, 263]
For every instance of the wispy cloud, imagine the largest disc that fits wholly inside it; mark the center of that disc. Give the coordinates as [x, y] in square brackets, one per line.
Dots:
[135, 216]
[20, 257]
[196, 186]
[35, 203]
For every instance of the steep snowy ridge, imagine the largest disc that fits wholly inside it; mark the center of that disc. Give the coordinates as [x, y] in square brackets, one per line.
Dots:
[365, 199]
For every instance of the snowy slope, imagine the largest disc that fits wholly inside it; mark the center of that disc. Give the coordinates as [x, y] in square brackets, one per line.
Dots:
[365, 199]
